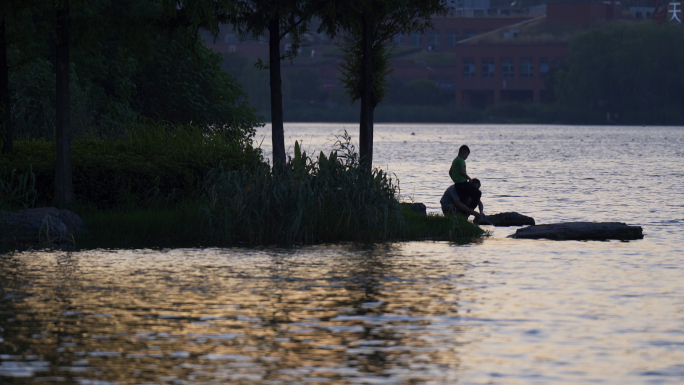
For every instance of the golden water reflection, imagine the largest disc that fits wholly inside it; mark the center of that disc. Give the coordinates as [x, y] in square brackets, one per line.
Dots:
[336, 315]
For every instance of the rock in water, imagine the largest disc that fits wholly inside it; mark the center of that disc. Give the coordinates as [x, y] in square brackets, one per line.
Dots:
[581, 231]
[507, 219]
[43, 225]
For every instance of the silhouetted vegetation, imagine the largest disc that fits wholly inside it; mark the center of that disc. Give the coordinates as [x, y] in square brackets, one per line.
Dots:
[632, 70]
[156, 142]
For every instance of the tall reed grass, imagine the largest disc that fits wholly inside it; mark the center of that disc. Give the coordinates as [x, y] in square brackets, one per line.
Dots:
[18, 189]
[327, 199]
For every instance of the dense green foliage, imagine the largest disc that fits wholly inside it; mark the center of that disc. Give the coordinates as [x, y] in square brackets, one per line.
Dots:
[630, 69]
[177, 84]
[154, 165]
[129, 60]
[189, 87]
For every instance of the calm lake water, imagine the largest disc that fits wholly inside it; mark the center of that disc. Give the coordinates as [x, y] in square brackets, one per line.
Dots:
[500, 311]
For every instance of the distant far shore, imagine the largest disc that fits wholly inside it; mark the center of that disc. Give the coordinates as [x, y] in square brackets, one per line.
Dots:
[508, 113]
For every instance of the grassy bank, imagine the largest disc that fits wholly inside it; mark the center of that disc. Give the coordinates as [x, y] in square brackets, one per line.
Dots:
[167, 188]
[185, 227]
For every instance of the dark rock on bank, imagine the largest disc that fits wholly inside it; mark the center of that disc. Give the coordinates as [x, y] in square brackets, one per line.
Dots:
[581, 231]
[416, 207]
[507, 219]
[40, 225]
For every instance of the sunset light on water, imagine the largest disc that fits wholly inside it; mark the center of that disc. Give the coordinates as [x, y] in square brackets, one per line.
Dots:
[497, 311]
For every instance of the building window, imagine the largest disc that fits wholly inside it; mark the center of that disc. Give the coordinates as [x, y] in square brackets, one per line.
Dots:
[487, 70]
[507, 68]
[543, 66]
[468, 33]
[468, 68]
[398, 39]
[526, 68]
[230, 38]
[433, 40]
[451, 38]
[415, 38]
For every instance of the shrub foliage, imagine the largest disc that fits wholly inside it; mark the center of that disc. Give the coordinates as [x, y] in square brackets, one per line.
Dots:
[156, 164]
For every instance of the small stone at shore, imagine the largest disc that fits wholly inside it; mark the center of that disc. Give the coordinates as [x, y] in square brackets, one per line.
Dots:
[581, 231]
[506, 219]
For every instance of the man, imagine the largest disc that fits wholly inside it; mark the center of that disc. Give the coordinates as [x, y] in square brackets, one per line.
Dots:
[451, 202]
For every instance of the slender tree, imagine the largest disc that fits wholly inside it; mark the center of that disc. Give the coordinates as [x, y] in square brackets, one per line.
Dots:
[281, 18]
[5, 117]
[368, 27]
[63, 182]
[10, 13]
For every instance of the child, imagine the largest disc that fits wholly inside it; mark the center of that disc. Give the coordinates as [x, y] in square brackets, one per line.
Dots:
[460, 177]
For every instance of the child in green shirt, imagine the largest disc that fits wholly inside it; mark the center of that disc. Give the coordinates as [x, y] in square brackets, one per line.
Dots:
[460, 177]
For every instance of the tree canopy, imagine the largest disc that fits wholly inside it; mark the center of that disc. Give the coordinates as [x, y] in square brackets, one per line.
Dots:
[130, 59]
[368, 27]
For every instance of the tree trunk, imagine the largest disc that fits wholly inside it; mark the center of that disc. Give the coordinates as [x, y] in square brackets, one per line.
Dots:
[367, 107]
[5, 117]
[277, 131]
[63, 185]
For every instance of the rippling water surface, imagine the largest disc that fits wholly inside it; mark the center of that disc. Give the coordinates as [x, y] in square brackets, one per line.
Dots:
[500, 311]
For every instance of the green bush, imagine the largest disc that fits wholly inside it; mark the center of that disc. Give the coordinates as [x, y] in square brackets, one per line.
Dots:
[155, 165]
[178, 79]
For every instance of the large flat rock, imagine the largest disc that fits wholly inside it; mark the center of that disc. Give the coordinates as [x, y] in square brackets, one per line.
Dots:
[581, 231]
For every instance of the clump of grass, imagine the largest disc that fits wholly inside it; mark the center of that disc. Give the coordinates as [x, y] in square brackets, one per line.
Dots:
[455, 228]
[18, 190]
[327, 199]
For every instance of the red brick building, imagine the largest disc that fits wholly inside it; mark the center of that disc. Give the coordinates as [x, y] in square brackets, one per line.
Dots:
[480, 60]
[510, 64]
[494, 73]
